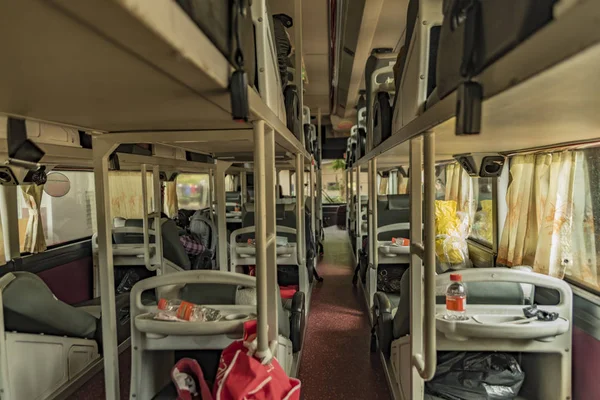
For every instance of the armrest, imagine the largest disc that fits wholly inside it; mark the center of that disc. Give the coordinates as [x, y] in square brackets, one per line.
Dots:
[297, 321]
[383, 321]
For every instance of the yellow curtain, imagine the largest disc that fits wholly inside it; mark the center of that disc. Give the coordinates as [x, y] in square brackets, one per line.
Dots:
[35, 242]
[126, 194]
[520, 232]
[383, 185]
[171, 203]
[566, 240]
[402, 184]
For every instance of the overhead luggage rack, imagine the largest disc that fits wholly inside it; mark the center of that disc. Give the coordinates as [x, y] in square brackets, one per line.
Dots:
[120, 66]
[547, 84]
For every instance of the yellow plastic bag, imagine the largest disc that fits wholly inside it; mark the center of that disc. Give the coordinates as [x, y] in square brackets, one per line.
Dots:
[483, 224]
[451, 235]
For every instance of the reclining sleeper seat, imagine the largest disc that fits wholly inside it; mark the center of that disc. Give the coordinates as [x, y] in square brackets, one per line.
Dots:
[391, 320]
[72, 335]
[391, 209]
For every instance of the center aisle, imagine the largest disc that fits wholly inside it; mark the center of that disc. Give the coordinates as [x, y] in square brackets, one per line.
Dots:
[336, 361]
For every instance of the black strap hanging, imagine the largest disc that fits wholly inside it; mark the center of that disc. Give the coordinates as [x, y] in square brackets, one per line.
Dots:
[238, 86]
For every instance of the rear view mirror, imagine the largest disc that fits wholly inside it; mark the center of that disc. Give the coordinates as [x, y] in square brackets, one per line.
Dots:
[57, 184]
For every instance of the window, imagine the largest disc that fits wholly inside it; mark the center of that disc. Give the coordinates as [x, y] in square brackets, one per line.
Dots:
[69, 217]
[193, 191]
[553, 220]
[482, 228]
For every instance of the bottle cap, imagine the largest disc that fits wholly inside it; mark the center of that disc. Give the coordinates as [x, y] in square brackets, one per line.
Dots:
[455, 277]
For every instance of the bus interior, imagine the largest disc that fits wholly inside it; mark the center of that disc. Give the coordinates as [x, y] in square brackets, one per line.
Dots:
[401, 196]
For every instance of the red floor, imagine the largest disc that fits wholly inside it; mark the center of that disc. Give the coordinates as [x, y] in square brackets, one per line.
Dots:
[336, 361]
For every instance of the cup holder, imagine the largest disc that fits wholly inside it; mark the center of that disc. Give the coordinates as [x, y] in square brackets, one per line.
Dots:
[235, 317]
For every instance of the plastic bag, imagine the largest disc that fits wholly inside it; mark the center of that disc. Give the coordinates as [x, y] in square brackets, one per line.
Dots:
[452, 231]
[482, 223]
[476, 376]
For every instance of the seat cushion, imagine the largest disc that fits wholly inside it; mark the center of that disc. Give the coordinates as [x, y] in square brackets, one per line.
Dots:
[30, 307]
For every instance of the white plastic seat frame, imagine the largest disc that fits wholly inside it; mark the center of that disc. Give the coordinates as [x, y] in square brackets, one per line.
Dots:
[153, 341]
[546, 360]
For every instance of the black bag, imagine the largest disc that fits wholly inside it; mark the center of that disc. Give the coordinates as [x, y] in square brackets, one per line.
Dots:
[388, 278]
[287, 275]
[475, 33]
[382, 118]
[293, 111]
[476, 376]
[217, 19]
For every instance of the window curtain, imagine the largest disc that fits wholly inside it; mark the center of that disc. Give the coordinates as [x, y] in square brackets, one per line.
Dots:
[462, 189]
[402, 184]
[125, 189]
[35, 242]
[171, 203]
[566, 241]
[519, 236]
[383, 185]
[550, 220]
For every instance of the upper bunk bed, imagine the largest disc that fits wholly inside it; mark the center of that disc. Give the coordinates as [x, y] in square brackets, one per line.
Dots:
[543, 93]
[126, 67]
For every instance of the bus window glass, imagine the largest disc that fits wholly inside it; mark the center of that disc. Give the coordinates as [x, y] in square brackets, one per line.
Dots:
[482, 227]
[193, 191]
[65, 218]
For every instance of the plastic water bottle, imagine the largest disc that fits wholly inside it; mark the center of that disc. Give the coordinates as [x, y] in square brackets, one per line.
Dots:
[456, 299]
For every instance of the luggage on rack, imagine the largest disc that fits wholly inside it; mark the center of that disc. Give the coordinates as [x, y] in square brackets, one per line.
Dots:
[382, 118]
[293, 111]
[476, 33]
[361, 145]
[217, 19]
[283, 44]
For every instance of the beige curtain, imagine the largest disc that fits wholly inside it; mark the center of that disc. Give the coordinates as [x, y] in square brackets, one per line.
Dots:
[126, 193]
[35, 242]
[550, 221]
[171, 203]
[383, 185]
[402, 184]
[461, 189]
[566, 240]
[519, 236]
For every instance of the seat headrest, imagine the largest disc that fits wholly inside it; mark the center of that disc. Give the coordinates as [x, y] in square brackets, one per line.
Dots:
[233, 197]
[398, 201]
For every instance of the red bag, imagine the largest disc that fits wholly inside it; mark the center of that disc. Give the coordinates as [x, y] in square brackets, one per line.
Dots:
[189, 381]
[243, 377]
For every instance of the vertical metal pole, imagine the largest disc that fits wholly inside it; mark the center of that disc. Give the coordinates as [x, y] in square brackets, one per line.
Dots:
[157, 206]
[313, 211]
[273, 296]
[292, 192]
[244, 184]
[358, 213]
[221, 211]
[429, 329]
[350, 190]
[101, 151]
[374, 256]
[300, 209]
[320, 169]
[211, 184]
[145, 226]
[10, 221]
[416, 264]
[260, 206]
